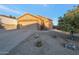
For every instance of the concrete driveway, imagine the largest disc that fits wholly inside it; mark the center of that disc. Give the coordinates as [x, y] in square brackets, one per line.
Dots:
[50, 46]
[10, 39]
[23, 42]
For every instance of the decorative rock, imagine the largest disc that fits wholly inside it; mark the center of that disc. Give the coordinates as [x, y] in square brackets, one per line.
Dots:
[36, 35]
[39, 44]
[54, 36]
[71, 46]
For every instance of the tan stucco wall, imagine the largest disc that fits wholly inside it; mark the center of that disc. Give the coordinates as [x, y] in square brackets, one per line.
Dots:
[9, 26]
[47, 23]
[28, 19]
[8, 23]
[28, 22]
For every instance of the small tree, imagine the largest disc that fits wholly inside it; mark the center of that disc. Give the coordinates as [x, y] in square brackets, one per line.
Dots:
[12, 16]
[1, 24]
[70, 20]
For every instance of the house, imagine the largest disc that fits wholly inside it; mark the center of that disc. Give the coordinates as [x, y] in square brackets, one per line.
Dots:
[29, 19]
[7, 22]
[47, 23]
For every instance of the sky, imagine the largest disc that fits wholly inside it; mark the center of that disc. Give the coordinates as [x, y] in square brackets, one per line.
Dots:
[52, 11]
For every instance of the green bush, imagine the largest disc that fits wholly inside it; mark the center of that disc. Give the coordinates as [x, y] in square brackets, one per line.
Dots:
[70, 20]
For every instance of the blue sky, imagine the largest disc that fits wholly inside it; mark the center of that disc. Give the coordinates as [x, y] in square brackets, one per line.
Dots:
[52, 11]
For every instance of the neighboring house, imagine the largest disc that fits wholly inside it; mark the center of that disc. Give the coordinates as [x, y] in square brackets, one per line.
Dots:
[7, 22]
[29, 19]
